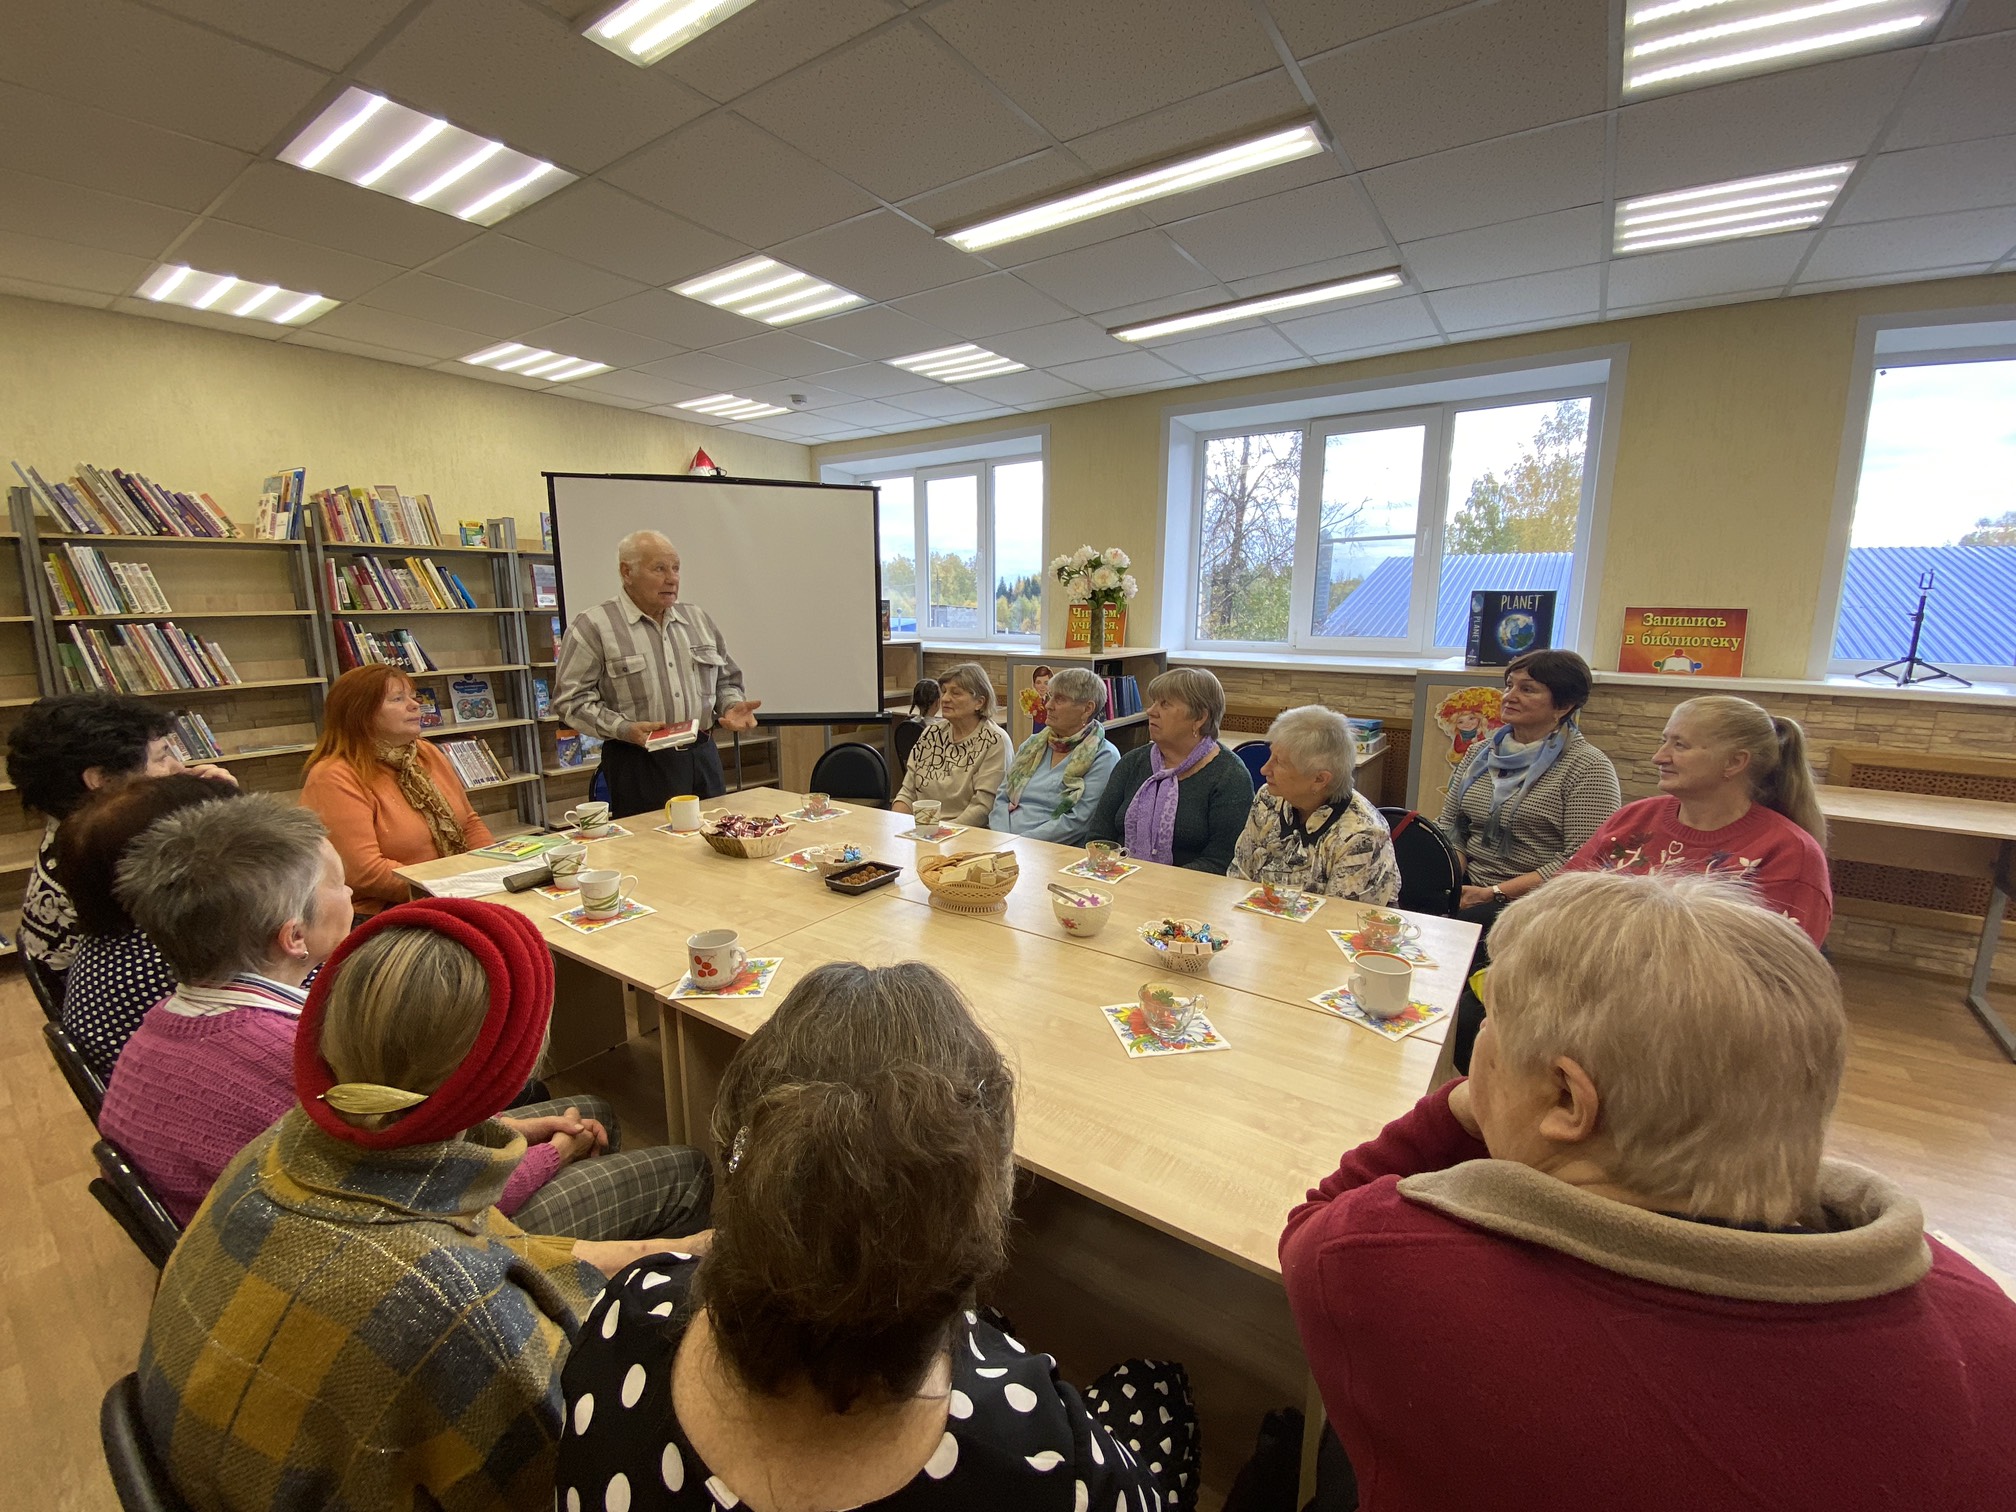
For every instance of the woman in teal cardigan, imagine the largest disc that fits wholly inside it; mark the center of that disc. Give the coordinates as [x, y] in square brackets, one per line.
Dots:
[1182, 799]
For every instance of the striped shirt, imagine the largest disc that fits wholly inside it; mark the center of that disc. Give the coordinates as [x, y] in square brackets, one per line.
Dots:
[1550, 822]
[617, 666]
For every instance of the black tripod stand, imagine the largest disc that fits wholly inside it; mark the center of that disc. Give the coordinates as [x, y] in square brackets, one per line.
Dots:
[1911, 667]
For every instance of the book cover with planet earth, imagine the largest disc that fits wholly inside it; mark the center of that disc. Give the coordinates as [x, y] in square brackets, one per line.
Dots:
[1508, 625]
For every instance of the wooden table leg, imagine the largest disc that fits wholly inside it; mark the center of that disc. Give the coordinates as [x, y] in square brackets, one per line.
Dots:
[704, 1053]
[2000, 885]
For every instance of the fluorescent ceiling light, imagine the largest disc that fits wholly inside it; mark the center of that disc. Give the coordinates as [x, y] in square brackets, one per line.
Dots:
[732, 407]
[366, 140]
[1138, 188]
[1268, 304]
[644, 31]
[1686, 43]
[534, 362]
[767, 290]
[226, 294]
[1774, 202]
[957, 364]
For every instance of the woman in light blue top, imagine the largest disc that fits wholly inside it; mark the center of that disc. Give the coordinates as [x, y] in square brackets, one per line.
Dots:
[1055, 780]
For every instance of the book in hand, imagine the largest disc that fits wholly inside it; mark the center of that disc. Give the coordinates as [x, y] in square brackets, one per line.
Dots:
[670, 737]
[1508, 625]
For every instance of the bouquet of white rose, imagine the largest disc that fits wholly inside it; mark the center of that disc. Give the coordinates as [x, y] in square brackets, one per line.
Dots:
[1096, 577]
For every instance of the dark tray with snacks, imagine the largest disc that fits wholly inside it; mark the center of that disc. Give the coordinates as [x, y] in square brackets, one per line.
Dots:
[863, 876]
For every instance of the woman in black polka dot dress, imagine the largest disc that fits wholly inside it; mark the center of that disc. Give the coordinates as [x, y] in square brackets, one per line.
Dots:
[822, 1355]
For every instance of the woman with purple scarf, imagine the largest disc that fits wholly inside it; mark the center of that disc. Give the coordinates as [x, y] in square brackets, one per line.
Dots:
[1182, 799]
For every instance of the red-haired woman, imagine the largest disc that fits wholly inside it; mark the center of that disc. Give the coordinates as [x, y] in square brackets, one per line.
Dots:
[387, 797]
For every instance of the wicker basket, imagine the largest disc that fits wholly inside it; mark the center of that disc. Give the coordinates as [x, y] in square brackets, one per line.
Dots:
[759, 848]
[1180, 955]
[985, 891]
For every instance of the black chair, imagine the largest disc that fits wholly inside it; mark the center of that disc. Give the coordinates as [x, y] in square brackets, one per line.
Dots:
[43, 982]
[852, 770]
[137, 1473]
[1431, 873]
[906, 736]
[123, 1192]
[84, 1081]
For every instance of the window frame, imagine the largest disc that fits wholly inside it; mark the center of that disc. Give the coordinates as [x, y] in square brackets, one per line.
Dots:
[982, 468]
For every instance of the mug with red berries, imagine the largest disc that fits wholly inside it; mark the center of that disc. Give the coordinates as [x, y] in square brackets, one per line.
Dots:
[714, 960]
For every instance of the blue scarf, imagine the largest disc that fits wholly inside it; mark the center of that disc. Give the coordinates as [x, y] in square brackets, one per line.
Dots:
[1519, 771]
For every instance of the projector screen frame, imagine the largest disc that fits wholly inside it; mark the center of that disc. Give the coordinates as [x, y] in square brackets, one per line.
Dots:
[875, 508]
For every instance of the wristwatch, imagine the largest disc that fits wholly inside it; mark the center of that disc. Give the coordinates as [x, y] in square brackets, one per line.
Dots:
[1498, 893]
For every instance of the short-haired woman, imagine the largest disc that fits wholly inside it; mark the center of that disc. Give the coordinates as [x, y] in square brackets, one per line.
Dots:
[960, 759]
[1625, 1217]
[1735, 799]
[1182, 799]
[823, 1354]
[388, 798]
[63, 750]
[1309, 819]
[349, 1312]
[1058, 774]
[117, 974]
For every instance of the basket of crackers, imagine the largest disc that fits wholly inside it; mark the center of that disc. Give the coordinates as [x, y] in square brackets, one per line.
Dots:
[972, 881]
[750, 837]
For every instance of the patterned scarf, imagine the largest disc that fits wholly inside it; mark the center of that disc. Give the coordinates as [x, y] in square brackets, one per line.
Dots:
[1512, 773]
[1035, 752]
[418, 789]
[1151, 815]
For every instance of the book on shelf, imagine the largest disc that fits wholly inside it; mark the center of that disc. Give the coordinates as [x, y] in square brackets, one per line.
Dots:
[474, 762]
[576, 748]
[377, 516]
[142, 658]
[364, 584]
[357, 647]
[475, 702]
[1123, 697]
[542, 698]
[83, 581]
[472, 533]
[545, 530]
[430, 708]
[545, 593]
[192, 739]
[281, 504]
[98, 501]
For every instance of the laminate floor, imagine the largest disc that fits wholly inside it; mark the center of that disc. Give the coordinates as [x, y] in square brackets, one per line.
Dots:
[1928, 1099]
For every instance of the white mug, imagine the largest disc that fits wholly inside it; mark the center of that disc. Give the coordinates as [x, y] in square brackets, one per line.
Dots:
[683, 813]
[1383, 984]
[926, 811]
[589, 818]
[714, 960]
[603, 893]
[565, 861]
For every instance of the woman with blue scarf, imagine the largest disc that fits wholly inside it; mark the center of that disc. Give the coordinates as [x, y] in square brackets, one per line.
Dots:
[1522, 803]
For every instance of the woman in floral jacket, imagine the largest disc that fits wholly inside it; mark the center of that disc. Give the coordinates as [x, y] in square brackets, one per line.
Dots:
[1310, 821]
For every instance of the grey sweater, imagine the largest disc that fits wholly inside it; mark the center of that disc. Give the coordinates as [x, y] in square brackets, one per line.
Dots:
[1549, 821]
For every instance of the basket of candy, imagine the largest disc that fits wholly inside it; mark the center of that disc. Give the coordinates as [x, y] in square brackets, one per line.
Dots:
[1184, 944]
[748, 836]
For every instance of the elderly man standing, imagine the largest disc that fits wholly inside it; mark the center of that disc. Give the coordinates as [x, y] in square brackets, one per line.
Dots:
[642, 660]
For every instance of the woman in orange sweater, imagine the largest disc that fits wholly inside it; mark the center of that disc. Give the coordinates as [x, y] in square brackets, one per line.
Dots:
[387, 797]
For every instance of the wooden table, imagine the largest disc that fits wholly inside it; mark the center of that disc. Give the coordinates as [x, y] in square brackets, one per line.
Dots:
[1963, 836]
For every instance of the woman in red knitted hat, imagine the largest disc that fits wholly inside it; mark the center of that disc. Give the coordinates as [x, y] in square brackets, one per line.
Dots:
[349, 1320]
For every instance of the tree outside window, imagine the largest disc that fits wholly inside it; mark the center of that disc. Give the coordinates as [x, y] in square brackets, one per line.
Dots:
[1246, 565]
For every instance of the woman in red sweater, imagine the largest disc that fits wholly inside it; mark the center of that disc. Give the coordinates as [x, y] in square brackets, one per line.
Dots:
[1613, 1269]
[1736, 800]
[388, 798]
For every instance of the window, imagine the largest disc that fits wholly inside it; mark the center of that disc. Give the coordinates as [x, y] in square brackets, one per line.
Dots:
[970, 523]
[1370, 532]
[1935, 511]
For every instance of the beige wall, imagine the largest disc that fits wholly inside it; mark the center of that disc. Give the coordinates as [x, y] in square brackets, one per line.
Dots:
[207, 410]
[1725, 470]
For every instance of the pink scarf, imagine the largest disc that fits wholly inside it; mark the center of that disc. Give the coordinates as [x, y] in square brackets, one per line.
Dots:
[1151, 815]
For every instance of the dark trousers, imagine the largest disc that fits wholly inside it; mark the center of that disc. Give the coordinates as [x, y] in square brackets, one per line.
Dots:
[1469, 1006]
[640, 781]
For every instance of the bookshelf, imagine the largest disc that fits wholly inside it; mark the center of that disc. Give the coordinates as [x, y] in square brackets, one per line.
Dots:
[21, 684]
[1142, 663]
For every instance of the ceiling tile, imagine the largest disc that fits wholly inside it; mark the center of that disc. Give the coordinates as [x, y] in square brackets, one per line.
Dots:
[580, 395]
[490, 375]
[981, 306]
[1872, 280]
[1059, 342]
[411, 334]
[1321, 168]
[322, 341]
[798, 393]
[642, 388]
[942, 402]
[881, 255]
[982, 195]
[1283, 231]
[1735, 267]
[874, 380]
[1795, 119]
[1390, 322]
[1463, 77]
[315, 207]
[219, 247]
[785, 355]
[1189, 125]
[1104, 374]
[1562, 239]
[740, 181]
[939, 125]
[79, 144]
[65, 212]
[329, 36]
[1561, 296]
[1255, 346]
[66, 265]
[1493, 181]
[580, 337]
[671, 317]
[713, 374]
[1311, 26]
[800, 428]
[503, 265]
[868, 412]
[1922, 242]
[27, 288]
[111, 50]
[432, 298]
[1015, 388]
[754, 46]
[1616, 311]
[606, 228]
[1963, 90]
[1979, 18]
[524, 77]
[1150, 53]
[877, 332]
[1116, 273]
[1929, 180]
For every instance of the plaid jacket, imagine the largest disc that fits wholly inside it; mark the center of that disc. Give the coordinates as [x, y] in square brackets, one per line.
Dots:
[362, 1331]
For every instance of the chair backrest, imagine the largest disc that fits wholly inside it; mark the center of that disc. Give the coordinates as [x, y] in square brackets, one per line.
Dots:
[137, 1472]
[1253, 754]
[852, 770]
[85, 1082]
[907, 734]
[48, 989]
[1431, 874]
[123, 1192]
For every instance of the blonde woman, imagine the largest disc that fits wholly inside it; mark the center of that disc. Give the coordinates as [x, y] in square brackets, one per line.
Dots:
[1735, 799]
[960, 758]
